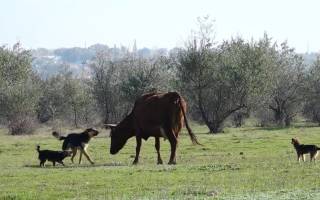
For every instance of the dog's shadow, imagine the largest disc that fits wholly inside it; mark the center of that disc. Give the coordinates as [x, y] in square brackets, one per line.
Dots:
[58, 166]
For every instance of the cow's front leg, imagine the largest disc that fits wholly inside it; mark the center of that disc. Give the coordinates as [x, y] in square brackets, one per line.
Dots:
[157, 146]
[136, 159]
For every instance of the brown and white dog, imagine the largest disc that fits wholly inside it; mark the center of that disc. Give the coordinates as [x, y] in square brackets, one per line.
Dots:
[75, 141]
[305, 149]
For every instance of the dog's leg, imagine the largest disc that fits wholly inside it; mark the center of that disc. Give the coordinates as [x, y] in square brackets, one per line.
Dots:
[86, 154]
[42, 163]
[74, 153]
[80, 157]
[315, 156]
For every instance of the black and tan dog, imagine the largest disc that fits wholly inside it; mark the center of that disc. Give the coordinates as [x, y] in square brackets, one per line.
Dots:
[305, 149]
[53, 156]
[75, 141]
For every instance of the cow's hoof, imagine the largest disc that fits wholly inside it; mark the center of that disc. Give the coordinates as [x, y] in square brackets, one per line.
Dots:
[172, 162]
[135, 162]
[159, 162]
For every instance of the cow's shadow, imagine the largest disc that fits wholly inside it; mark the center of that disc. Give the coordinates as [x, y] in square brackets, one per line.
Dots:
[70, 166]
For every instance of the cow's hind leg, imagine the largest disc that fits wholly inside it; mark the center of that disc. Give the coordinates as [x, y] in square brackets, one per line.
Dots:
[173, 143]
[157, 145]
[138, 147]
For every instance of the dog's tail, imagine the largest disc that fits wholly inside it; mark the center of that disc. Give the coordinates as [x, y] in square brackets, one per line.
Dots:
[57, 135]
[38, 148]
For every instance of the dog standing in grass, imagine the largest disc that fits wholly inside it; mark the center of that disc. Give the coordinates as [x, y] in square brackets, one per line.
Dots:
[305, 149]
[75, 141]
[53, 156]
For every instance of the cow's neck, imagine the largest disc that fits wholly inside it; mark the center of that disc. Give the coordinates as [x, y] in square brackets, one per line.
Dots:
[127, 126]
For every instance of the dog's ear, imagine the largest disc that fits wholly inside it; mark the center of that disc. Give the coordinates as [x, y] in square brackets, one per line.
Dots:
[92, 132]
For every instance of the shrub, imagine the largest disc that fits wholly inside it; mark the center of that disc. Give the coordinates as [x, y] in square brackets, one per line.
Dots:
[22, 125]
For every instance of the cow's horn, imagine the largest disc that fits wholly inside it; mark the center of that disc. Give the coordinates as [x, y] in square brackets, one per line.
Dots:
[110, 125]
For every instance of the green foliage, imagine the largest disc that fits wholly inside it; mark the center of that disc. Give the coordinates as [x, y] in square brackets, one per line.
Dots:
[116, 84]
[286, 96]
[105, 88]
[312, 92]
[15, 65]
[19, 86]
[223, 79]
[66, 97]
[144, 75]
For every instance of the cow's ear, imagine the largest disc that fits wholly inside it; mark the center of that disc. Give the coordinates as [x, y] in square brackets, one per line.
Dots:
[111, 126]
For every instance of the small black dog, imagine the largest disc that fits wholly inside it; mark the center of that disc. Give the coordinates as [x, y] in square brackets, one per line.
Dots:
[53, 156]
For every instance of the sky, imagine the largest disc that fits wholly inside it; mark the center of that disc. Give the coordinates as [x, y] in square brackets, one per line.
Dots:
[155, 24]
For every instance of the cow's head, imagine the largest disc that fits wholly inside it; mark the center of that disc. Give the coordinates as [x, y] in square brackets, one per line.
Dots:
[119, 137]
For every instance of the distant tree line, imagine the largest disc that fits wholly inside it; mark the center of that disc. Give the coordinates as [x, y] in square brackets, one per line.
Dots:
[233, 80]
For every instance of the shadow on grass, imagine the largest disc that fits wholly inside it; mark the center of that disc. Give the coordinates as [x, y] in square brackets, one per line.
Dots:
[278, 128]
[58, 166]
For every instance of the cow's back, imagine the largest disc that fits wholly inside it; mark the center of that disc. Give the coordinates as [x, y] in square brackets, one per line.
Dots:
[159, 110]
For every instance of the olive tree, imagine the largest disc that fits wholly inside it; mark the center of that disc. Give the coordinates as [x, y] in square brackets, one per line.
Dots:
[66, 97]
[105, 84]
[19, 89]
[312, 92]
[142, 75]
[223, 79]
[286, 97]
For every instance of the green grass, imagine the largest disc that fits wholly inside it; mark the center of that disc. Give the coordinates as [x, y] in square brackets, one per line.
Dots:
[245, 163]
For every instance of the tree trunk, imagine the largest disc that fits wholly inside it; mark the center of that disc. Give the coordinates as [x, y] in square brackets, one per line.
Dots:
[75, 117]
[288, 121]
[279, 117]
[215, 127]
[86, 118]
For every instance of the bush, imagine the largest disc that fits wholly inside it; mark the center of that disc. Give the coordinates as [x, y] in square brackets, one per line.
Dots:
[265, 117]
[22, 125]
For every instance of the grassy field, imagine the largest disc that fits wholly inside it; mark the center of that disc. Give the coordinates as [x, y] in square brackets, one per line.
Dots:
[245, 163]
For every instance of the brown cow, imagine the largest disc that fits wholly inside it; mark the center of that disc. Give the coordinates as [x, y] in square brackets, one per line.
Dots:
[154, 114]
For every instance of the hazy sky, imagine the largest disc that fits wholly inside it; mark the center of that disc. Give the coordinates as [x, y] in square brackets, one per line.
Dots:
[162, 23]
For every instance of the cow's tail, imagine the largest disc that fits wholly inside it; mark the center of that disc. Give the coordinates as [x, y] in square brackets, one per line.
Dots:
[57, 135]
[191, 134]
